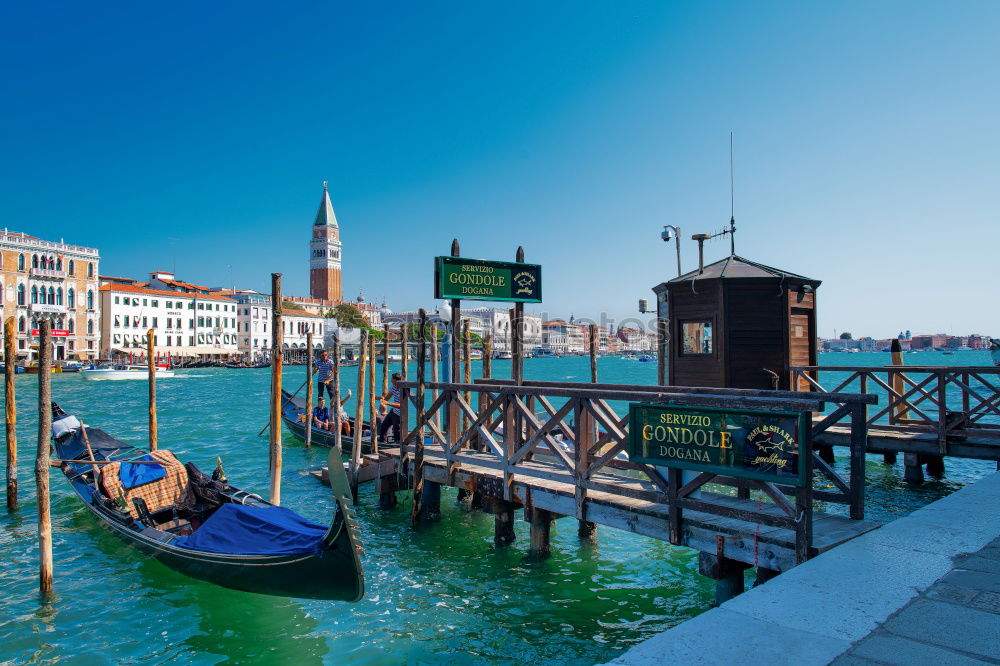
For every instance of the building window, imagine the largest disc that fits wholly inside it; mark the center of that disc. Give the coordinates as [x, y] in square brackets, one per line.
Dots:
[21, 324]
[145, 302]
[191, 341]
[20, 262]
[116, 300]
[154, 322]
[118, 321]
[190, 323]
[52, 296]
[696, 338]
[144, 324]
[59, 264]
[20, 293]
[72, 325]
[59, 296]
[126, 322]
[34, 261]
[90, 327]
[34, 294]
[90, 300]
[72, 267]
[156, 303]
[90, 270]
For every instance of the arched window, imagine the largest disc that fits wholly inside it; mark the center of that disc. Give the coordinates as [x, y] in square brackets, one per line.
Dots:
[90, 270]
[59, 296]
[72, 267]
[20, 292]
[52, 296]
[90, 327]
[34, 261]
[21, 324]
[90, 300]
[58, 263]
[34, 294]
[20, 262]
[71, 298]
[71, 325]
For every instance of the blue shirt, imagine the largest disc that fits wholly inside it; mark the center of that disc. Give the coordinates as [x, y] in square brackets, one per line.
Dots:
[325, 369]
[394, 397]
[321, 413]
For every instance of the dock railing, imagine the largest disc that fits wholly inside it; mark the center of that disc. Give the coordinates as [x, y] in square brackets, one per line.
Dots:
[523, 432]
[942, 401]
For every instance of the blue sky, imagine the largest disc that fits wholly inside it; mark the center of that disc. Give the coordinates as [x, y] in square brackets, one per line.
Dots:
[197, 135]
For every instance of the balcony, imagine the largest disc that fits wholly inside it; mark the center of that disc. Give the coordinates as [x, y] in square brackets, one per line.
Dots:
[47, 273]
[45, 308]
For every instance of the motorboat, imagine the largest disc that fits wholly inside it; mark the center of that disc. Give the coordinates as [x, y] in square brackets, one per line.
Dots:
[121, 372]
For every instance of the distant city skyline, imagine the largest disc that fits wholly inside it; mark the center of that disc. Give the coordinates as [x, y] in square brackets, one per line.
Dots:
[865, 144]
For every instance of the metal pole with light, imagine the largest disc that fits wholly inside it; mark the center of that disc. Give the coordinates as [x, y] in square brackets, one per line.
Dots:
[670, 231]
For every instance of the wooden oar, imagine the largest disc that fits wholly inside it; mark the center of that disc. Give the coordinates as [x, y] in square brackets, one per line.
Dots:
[268, 424]
[90, 453]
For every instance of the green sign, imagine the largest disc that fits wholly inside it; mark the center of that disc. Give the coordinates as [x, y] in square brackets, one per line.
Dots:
[478, 280]
[745, 444]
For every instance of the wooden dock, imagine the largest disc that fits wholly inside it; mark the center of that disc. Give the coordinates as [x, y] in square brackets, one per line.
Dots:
[487, 440]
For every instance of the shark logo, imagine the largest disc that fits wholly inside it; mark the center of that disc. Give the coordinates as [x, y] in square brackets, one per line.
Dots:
[525, 282]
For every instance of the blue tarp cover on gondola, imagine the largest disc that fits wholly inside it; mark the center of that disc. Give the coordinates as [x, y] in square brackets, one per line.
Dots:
[133, 475]
[255, 530]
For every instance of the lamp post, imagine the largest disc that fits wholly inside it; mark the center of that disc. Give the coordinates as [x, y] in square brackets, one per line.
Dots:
[671, 231]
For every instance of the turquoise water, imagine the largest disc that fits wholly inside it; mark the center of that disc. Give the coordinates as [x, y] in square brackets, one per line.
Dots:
[440, 593]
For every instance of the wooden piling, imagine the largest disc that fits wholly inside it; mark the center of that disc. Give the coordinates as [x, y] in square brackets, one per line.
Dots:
[359, 413]
[418, 444]
[337, 421]
[456, 320]
[488, 356]
[503, 522]
[309, 389]
[727, 573]
[541, 531]
[404, 346]
[151, 366]
[45, 567]
[900, 412]
[277, 338]
[10, 411]
[385, 359]
[435, 359]
[372, 411]
[593, 353]
[467, 369]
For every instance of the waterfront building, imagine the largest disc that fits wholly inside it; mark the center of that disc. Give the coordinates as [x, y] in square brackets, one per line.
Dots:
[188, 320]
[40, 278]
[868, 344]
[562, 337]
[935, 341]
[633, 339]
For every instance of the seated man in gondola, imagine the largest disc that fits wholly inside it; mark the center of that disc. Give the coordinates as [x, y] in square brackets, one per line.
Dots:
[321, 415]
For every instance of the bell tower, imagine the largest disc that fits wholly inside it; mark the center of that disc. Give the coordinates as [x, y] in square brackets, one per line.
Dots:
[324, 253]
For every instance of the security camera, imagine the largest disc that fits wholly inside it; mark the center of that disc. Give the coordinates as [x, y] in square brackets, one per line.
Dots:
[667, 234]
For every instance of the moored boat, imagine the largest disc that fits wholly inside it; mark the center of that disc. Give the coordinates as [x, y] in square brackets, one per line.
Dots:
[293, 411]
[204, 527]
[119, 372]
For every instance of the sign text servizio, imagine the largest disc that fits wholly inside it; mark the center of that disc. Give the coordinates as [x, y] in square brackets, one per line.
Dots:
[750, 444]
[479, 280]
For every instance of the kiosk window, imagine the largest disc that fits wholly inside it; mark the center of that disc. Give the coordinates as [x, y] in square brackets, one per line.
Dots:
[696, 337]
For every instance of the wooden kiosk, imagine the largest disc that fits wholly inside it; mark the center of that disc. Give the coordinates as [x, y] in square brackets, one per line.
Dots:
[739, 324]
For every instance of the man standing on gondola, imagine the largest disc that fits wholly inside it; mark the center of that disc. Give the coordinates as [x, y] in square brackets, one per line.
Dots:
[391, 400]
[325, 379]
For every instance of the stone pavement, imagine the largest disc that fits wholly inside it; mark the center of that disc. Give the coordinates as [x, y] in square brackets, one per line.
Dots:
[956, 621]
[922, 589]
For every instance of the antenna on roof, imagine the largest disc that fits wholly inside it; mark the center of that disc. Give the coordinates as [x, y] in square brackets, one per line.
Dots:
[732, 201]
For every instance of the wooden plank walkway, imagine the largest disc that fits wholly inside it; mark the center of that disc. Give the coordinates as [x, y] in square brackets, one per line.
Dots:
[751, 543]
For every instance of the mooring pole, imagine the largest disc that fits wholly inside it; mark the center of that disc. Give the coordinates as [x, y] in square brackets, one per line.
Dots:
[456, 326]
[42, 458]
[277, 336]
[337, 421]
[385, 359]
[517, 366]
[467, 353]
[151, 366]
[593, 353]
[434, 370]
[10, 411]
[372, 412]
[309, 389]
[418, 444]
[359, 413]
[404, 345]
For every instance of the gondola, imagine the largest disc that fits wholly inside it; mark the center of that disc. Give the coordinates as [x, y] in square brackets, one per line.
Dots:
[293, 410]
[206, 528]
